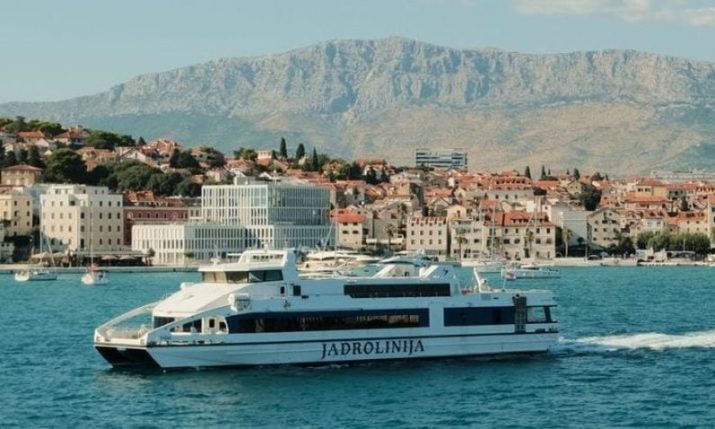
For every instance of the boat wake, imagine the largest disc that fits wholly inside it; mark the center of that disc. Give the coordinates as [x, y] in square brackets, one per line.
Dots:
[649, 340]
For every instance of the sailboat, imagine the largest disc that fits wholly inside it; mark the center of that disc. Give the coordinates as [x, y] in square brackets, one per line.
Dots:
[94, 275]
[39, 272]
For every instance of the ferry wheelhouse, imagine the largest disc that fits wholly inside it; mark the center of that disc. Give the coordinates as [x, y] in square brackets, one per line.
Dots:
[261, 311]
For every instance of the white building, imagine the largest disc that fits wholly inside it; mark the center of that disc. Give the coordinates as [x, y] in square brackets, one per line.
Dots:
[247, 214]
[82, 218]
[441, 158]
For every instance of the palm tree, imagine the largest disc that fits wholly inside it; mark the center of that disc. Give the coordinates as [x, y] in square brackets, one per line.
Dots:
[390, 231]
[461, 239]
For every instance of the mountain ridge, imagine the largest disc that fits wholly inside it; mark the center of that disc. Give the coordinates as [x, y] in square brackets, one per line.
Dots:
[337, 96]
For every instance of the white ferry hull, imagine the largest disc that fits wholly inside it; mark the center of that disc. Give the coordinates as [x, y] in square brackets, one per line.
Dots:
[327, 352]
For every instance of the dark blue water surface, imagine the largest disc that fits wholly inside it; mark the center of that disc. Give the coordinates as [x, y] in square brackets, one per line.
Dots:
[638, 350]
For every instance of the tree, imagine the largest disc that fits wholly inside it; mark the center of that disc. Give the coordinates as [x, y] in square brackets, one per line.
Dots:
[104, 140]
[596, 177]
[187, 188]
[527, 172]
[33, 157]
[17, 125]
[543, 173]
[183, 159]
[590, 197]
[10, 159]
[576, 174]
[246, 154]
[300, 152]
[141, 141]
[65, 166]
[22, 156]
[283, 149]
[643, 239]
[314, 162]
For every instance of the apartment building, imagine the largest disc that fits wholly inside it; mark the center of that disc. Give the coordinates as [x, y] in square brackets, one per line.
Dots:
[16, 209]
[82, 218]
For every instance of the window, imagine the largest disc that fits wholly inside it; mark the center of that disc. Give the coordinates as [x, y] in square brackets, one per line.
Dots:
[395, 290]
[328, 321]
[472, 316]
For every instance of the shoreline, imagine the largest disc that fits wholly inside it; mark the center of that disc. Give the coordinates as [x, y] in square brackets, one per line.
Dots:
[13, 268]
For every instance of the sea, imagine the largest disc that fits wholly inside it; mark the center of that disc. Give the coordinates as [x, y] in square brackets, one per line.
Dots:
[637, 350]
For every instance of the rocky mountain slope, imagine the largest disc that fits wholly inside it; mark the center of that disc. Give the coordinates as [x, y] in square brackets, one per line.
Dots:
[616, 111]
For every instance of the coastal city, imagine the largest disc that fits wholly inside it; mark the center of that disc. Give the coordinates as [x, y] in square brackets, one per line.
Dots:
[77, 193]
[377, 214]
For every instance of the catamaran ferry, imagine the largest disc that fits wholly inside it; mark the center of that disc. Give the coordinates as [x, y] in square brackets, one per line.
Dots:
[261, 311]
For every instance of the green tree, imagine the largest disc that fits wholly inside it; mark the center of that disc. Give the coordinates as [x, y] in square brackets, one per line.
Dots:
[543, 173]
[183, 159]
[214, 158]
[300, 152]
[133, 176]
[246, 154]
[187, 188]
[141, 141]
[283, 149]
[314, 162]
[104, 140]
[17, 125]
[22, 156]
[10, 159]
[527, 172]
[644, 238]
[590, 197]
[576, 174]
[33, 157]
[65, 166]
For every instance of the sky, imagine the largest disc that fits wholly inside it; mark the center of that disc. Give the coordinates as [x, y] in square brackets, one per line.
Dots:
[53, 50]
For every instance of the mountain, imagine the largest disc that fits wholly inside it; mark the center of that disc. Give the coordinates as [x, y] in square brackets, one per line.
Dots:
[621, 112]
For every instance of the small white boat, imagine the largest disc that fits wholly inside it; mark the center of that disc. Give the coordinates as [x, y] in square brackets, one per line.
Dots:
[530, 271]
[35, 275]
[484, 265]
[95, 276]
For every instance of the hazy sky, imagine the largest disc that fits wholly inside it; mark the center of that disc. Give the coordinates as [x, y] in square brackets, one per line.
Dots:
[54, 49]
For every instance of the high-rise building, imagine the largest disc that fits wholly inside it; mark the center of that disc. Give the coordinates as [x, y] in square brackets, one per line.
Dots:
[441, 158]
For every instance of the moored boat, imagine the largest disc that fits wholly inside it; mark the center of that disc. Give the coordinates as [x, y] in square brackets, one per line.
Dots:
[261, 311]
[530, 271]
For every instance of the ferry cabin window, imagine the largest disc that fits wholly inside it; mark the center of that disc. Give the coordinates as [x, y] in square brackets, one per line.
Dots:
[328, 321]
[254, 276]
[194, 326]
[395, 290]
[475, 316]
[161, 321]
[536, 315]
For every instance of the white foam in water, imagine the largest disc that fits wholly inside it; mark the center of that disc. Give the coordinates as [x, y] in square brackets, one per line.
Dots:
[650, 340]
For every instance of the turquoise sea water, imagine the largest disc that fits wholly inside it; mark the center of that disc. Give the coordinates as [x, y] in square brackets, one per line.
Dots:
[638, 350]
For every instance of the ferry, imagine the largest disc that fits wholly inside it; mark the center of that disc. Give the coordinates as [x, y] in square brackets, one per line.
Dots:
[261, 311]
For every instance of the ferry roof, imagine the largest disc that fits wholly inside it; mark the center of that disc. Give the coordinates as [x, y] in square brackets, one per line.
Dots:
[255, 259]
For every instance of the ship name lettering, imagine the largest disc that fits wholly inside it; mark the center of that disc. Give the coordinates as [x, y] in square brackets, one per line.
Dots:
[406, 347]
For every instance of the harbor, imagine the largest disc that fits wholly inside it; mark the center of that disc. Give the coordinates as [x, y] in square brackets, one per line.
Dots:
[611, 323]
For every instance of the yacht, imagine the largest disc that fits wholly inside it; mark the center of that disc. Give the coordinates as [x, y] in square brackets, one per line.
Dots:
[484, 265]
[35, 275]
[261, 311]
[330, 261]
[531, 271]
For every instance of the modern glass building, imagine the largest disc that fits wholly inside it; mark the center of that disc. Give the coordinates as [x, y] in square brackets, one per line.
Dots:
[441, 158]
[244, 215]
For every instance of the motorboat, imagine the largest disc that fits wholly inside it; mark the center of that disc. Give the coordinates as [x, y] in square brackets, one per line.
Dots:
[35, 275]
[530, 271]
[261, 310]
[95, 276]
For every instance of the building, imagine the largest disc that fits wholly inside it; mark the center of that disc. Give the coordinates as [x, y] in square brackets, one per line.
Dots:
[350, 229]
[21, 175]
[604, 227]
[527, 235]
[247, 214]
[144, 207]
[441, 158]
[82, 218]
[16, 209]
[429, 234]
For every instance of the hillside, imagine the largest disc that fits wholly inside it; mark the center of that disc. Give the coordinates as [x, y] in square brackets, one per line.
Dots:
[617, 111]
